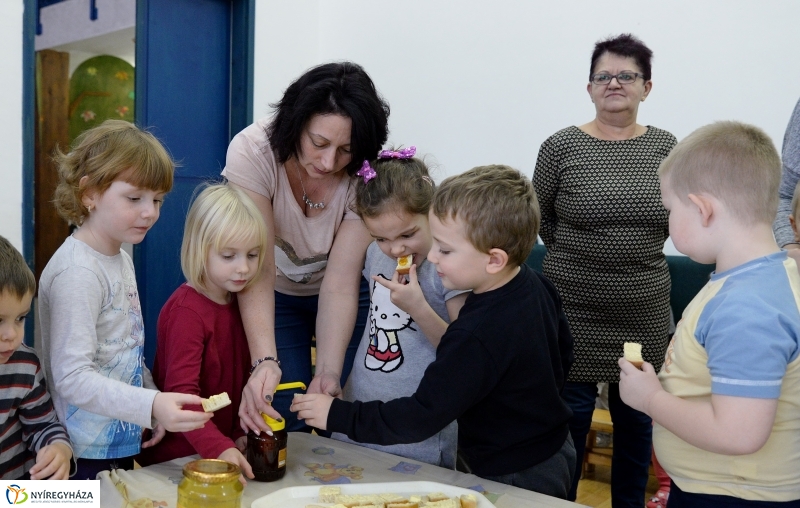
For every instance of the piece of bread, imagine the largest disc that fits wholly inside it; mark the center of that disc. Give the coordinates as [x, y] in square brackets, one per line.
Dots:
[633, 353]
[404, 264]
[328, 494]
[407, 504]
[390, 497]
[444, 503]
[437, 496]
[216, 402]
[469, 501]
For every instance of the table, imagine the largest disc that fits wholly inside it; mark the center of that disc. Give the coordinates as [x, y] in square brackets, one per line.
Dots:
[312, 460]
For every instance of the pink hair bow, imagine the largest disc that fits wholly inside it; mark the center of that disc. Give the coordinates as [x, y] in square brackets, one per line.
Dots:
[366, 172]
[405, 153]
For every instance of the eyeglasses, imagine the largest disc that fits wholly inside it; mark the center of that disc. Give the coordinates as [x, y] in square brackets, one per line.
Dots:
[623, 78]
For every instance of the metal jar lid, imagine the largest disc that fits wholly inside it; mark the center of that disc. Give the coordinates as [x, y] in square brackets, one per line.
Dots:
[211, 471]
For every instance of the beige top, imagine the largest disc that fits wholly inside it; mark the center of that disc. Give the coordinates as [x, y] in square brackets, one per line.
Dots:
[302, 244]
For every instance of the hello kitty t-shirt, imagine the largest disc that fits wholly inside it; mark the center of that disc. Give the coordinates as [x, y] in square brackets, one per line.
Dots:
[394, 353]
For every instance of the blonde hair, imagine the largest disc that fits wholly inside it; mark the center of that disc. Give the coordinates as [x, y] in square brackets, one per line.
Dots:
[498, 206]
[114, 149]
[220, 215]
[15, 275]
[732, 161]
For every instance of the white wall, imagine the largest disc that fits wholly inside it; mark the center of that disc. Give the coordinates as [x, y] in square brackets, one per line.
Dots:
[11, 124]
[472, 82]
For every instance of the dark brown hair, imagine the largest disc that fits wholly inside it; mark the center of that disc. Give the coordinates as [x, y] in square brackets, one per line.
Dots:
[399, 183]
[15, 276]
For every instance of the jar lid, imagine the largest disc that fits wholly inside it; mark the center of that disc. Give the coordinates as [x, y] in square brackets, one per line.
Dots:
[273, 423]
[211, 471]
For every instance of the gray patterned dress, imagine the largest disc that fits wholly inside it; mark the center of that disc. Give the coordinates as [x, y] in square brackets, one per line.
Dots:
[604, 228]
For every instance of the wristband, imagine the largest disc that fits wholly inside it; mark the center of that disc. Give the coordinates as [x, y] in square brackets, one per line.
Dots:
[265, 359]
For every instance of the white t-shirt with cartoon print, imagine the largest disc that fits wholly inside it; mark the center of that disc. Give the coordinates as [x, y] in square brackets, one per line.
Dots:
[394, 353]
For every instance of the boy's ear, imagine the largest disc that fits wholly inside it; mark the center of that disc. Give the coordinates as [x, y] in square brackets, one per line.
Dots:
[498, 259]
[705, 206]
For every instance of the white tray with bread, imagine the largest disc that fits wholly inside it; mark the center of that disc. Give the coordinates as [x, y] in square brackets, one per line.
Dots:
[419, 494]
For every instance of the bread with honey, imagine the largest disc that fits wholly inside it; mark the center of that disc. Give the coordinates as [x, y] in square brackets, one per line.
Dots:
[404, 264]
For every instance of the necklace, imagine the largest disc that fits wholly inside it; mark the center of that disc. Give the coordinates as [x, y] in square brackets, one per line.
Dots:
[306, 199]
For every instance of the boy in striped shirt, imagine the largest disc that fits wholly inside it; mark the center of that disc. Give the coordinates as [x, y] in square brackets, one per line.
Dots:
[33, 444]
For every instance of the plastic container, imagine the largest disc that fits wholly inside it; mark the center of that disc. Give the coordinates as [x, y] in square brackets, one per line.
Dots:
[267, 454]
[210, 483]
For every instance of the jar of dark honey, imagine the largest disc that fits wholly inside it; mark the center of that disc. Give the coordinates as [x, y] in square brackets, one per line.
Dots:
[267, 454]
[210, 483]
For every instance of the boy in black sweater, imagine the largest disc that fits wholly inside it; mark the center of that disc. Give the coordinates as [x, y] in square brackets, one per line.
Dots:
[501, 366]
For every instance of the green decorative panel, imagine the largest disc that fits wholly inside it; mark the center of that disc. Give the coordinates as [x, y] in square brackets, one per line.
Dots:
[100, 88]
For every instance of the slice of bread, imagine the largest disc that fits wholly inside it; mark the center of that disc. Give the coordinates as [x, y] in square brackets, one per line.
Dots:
[633, 353]
[469, 501]
[437, 496]
[216, 402]
[404, 264]
[328, 494]
[444, 503]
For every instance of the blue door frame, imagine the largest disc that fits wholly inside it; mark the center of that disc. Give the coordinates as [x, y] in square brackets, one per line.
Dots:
[194, 91]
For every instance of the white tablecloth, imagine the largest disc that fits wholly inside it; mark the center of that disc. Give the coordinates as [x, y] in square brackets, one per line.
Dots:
[312, 460]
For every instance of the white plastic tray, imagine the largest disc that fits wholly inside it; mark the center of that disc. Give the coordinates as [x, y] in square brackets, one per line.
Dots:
[300, 497]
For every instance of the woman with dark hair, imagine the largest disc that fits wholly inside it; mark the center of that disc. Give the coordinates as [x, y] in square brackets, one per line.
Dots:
[605, 227]
[299, 166]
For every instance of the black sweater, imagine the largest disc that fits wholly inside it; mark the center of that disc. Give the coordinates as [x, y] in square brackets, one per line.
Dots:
[499, 371]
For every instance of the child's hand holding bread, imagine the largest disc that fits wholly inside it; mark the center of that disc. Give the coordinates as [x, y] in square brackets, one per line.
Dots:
[633, 353]
[638, 382]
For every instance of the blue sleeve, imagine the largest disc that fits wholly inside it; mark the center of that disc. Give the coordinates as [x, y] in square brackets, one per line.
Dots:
[750, 339]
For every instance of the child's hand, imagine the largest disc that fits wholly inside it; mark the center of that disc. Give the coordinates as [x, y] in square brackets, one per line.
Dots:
[408, 296]
[241, 444]
[638, 387]
[52, 462]
[168, 410]
[158, 434]
[313, 408]
[234, 456]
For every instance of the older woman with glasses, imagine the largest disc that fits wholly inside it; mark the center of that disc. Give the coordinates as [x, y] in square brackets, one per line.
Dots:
[605, 227]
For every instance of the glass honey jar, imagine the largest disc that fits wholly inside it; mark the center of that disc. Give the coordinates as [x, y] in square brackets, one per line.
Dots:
[210, 483]
[267, 454]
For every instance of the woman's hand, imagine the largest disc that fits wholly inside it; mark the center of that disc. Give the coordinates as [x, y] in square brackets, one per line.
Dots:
[327, 383]
[257, 397]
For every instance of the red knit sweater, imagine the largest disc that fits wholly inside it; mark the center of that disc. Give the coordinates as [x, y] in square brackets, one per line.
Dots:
[202, 350]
